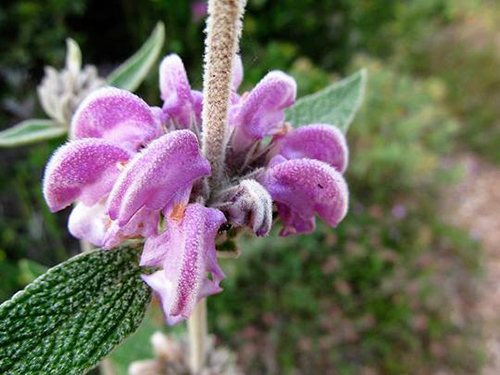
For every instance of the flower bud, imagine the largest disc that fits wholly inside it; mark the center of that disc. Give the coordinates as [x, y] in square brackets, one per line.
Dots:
[248, 204]
[61, 92]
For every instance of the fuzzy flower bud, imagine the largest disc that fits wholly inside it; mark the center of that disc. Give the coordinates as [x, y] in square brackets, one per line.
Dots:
[61, 92]
[248, 204]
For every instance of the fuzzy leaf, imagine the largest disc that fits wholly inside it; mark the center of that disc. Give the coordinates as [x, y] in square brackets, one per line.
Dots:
[73, 55]
[68, 319]
[30, 131]
[337, 104]
[131, 73]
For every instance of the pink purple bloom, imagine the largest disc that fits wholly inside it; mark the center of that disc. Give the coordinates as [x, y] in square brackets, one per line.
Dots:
[186, 253]
[136, 171]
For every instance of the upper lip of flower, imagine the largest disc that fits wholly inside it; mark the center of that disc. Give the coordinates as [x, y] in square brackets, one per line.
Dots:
[118, 116]
[162, 171]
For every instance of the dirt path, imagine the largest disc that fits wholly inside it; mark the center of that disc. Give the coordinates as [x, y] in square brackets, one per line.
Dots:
[474, 205]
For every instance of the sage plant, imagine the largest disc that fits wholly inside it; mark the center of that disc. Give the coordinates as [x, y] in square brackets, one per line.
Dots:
[159, 189]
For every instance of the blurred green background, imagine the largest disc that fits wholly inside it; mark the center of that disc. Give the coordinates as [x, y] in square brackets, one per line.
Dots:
[392, 289]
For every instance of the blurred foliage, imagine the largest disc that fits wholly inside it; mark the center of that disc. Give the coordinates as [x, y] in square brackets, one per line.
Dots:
[465, 54]
[387, 292]
[454, 40]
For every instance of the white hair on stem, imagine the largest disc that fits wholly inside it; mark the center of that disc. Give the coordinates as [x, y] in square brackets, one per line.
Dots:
[224, 26]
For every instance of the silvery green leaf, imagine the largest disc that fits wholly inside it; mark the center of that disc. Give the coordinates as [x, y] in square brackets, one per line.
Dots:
[131, 73]
[73, 56]
[337, 104]
[30, 131]
[69, 318]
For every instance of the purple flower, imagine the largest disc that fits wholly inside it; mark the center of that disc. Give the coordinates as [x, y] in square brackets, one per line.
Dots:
[260, 113]
[186, 252]
[181, 105]
[318, 141]
[302, 188]
[114, 172]
[161, 176]
[118, 116]
[135, 171]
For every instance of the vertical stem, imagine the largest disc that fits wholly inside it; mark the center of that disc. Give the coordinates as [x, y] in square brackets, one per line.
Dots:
[198, 331]
[221, 45]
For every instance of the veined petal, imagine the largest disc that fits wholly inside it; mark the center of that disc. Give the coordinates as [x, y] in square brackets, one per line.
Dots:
[261, 113]
[317, 141]
[116, 115]
[305, 187]
[176, 93]
[188, 251]
[157, 175]
[84, 169]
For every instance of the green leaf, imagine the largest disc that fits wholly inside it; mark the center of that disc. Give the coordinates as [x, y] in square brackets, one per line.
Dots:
[30, 131]
[337, 104]
[68, 319]
[131, 73]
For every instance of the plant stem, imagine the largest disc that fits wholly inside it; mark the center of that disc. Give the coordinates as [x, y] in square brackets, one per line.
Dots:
[221, 45]
[198, 331]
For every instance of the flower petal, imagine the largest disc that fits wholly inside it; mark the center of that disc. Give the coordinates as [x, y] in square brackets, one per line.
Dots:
[304, 187]
[116, 115]
[89, 223]
[143, 224]
[188, 251]
[317, 141]
[237, 73]
[180, 102]
[85, 169]
[158, 175]
[261, 113]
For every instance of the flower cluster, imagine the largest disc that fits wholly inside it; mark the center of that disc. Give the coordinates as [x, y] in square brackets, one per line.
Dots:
[136, 171]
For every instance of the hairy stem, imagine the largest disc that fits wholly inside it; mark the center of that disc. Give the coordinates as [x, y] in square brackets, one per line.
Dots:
[221, 45]
[197, 327]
